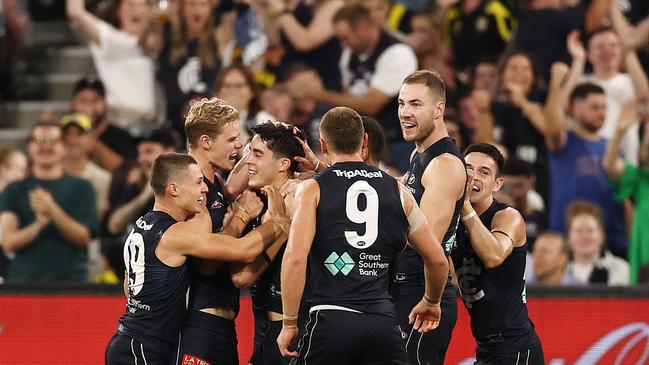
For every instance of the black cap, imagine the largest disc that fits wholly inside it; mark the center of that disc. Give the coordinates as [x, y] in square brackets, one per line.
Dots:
[89, 82]
[162, 136]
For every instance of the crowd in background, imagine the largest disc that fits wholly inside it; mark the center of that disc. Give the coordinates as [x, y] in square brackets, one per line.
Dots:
[559, 85]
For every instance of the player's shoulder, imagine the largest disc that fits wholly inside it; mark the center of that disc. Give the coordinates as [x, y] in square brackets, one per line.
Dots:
[447, 165]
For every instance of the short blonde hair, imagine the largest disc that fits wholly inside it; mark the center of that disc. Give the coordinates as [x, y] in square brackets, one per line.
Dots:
[208, 116]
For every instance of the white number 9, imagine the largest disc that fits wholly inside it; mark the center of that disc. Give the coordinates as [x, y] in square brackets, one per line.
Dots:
[369, 216]
[134, 259]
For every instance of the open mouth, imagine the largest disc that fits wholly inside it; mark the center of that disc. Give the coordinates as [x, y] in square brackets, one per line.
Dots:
[475, 188]
[408, 125]
[233, 157]
[200, 200]
[252, 172]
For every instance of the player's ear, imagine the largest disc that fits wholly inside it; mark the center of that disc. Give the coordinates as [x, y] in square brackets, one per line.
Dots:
[204, 141]
[439, 110]
[172, 188]
[499, 184]
[365, 152]
[284, 164]
[323, 146]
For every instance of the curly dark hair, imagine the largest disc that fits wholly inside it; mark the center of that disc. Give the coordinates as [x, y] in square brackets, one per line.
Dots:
[282, 140]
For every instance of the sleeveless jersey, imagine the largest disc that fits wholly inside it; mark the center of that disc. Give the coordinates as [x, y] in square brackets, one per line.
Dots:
[216, 290]
[495, 298]
[410, 269]
[361, 226]
[157, 293]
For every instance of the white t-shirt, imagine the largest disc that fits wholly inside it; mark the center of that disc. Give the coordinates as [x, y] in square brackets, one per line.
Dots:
[392, 66]
[618, 270]
[128, 75]
[619, 89]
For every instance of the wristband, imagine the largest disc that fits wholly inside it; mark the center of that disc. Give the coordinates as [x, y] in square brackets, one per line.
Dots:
[430, 302]
[243, 215]
[469, 216]
[289, 318]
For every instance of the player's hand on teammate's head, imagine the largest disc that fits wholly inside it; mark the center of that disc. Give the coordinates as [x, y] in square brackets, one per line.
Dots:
[286, 341]
[250, 203]
[310, 161]
[424, 317]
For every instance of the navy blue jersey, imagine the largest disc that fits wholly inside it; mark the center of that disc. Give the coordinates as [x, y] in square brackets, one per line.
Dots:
[410, 270]
[157, 293]
[495, 298]
[360, 228]
[216, 290]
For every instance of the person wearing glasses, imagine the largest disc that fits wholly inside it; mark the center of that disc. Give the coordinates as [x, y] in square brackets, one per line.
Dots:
[48, 218]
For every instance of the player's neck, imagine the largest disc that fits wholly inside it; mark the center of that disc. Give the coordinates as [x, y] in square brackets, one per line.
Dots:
[438, 133]
[164, 205]
[204, 164]
[482, 206]
[280, 180]
[336, 158]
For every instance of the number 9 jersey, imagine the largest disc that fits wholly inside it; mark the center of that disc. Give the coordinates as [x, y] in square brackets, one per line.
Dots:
[157, 293]
[361, 226]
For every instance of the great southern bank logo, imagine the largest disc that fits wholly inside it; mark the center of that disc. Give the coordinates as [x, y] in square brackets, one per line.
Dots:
[343, 263]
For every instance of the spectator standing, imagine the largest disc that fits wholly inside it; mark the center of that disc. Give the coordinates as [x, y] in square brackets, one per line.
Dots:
[190, 59]
[373, 65]
[48, 218]
[485, 25]
[304, 29]
[629, 181]
[557, 20]
[122, 56]
[591, 261]
[519, 123]
[576, 155]
[111, 145]
[606, 56]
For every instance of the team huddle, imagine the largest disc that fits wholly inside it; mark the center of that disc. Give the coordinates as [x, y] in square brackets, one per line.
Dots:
[348, 266]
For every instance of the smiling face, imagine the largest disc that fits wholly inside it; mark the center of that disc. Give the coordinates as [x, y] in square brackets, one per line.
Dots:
[225, 147]
[519, 71]
[45, 147]
[190, 190]
[604, 51]
[486, 180]
[585, 235]
[263, 166]
[417, 111]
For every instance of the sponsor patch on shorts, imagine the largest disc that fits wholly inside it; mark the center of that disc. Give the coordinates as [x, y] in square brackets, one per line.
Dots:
[194, 360]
